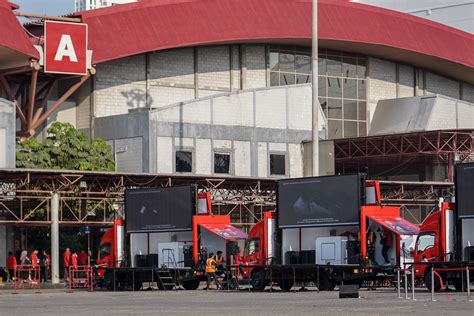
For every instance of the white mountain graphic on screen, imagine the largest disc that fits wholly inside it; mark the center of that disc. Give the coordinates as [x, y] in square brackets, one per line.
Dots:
[143, 209]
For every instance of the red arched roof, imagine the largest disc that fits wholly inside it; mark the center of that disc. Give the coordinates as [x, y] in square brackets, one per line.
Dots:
[15, 46]
[153, 25]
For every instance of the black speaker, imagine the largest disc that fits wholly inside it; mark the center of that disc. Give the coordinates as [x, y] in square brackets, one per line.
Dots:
[140, 261]
[292, 257]
[307, 256]
[349, 291]
[152, 260]
[469, 253]
[188, 256]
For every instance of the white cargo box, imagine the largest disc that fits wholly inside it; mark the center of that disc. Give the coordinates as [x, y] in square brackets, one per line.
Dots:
[331, 250]
[171, 254]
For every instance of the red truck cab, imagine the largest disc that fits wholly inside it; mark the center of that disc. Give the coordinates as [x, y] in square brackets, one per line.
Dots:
[110, 252]
[435, 242]
[260, 245]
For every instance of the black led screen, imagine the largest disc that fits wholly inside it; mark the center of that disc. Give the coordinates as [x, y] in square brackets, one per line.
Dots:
[159, 209]
[319, 201]
[465, 190]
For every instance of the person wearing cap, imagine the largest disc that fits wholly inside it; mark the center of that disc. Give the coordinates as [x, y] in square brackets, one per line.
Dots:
[66, 263]
[211, 271]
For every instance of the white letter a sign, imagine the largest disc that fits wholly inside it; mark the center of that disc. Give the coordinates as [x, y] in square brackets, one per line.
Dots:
[66, 49]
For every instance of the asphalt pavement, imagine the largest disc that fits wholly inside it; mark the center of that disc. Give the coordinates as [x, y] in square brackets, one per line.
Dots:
[200, 302]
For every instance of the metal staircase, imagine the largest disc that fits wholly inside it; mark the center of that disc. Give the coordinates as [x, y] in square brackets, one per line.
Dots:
[165, 280]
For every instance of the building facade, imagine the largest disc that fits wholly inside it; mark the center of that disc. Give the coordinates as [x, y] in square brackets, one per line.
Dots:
[233, 99]
[455, 13]
[83, 5]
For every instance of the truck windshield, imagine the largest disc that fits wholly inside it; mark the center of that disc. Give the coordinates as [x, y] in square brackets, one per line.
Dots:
[104, 250]
[252, 246]
[425, 241]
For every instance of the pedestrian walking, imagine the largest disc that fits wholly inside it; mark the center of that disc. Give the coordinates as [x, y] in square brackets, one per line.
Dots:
[11, 266]
[43, 262]
[82, 258]
[66, 263]
[211, 272]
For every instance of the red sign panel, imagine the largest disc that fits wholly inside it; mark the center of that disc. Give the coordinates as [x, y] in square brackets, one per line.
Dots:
[65, 47]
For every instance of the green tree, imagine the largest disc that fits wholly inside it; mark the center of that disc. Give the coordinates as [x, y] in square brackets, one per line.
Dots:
[65, 148]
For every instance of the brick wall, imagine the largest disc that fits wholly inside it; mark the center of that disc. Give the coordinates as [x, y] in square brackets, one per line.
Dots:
[120, 86]
[436, 84]
[468, 92]
[255, 66]
[382, 83]
[213, 70]
[406, 81]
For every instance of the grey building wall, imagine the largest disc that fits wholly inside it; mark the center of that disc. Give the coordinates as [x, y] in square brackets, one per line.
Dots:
[158, 79]
[7, 134]
[128, 134]
[7, 160]
[427, 113]
[390, 80]
[454, 13]
[249, 125]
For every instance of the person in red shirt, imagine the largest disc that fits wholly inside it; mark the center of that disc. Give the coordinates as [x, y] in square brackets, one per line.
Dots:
[66, 263]
[386, 244]
[74, 260]
[34, 258]
[11, 265]
[82, 258]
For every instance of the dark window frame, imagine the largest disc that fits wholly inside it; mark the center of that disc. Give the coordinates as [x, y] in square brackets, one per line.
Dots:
[231, 160]
[277, 153]
[189, 150]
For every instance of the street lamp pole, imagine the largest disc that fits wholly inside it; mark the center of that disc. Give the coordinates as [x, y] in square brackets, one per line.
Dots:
[315, 97]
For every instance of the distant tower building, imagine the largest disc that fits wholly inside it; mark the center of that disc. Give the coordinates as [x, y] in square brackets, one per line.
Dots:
[82, 5]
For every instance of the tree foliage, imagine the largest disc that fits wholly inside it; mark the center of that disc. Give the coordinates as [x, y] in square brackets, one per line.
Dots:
[65, 148]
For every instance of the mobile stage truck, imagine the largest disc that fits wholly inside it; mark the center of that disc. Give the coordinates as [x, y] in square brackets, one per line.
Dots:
[325, 230]
[446, 239]
[164, 239]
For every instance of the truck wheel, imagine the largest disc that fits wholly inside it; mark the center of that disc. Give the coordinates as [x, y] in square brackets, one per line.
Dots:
[285, 285]
[258, 281]
[138, 285]
[191, 284]
[427, 279]
[459, 284]
[108, 281]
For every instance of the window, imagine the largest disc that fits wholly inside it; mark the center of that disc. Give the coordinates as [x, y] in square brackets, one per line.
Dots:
[184, 161]
[425, 241]
[277, 164]
[222, 163]
[252, 246]
[341, 84]
[104, 250]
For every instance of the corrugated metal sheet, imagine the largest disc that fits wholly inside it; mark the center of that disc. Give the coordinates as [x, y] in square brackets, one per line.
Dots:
[151, 25]
[417, 114]
[12, 35]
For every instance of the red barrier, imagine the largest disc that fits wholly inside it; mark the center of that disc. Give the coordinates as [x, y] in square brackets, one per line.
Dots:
[447, 296]
[81, 277]
[27, 277]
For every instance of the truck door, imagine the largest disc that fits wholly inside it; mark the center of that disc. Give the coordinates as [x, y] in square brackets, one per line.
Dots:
[425, 247]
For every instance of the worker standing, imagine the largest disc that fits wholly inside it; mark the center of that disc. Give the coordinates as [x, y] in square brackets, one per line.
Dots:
[43, 262]
[35, 263]
[11, 265]
[219, 259]
[34, 258]
[66, 263]
[211, 271]
[82, 258]
[73, 260]
[386, 242]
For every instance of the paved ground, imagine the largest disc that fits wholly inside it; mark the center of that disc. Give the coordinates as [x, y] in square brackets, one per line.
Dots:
[58, 302]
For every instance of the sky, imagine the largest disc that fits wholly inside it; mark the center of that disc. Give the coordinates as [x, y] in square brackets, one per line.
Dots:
[50, 7]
